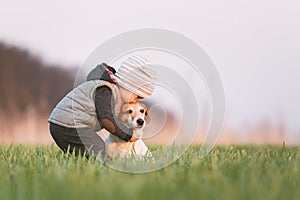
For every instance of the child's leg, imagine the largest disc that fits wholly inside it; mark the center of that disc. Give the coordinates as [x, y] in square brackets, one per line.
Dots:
[79, 140]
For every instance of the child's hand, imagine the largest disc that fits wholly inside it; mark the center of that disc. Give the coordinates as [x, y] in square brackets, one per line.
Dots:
[134, 138]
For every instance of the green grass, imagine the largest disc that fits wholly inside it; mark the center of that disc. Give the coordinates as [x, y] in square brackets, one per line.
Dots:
[43, 172]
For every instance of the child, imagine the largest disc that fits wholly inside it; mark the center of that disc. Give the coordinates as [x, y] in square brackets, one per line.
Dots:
[96, 103]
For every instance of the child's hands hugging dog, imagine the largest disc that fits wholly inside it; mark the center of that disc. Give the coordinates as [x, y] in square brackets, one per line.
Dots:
[96, 103]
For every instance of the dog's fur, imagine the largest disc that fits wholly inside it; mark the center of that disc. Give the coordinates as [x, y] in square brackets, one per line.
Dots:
[133, 116]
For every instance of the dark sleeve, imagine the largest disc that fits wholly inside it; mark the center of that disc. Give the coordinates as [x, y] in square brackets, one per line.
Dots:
[104, 107]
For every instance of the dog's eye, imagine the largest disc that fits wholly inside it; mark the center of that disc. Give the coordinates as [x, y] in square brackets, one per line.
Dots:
[142, 110]
[129, 111]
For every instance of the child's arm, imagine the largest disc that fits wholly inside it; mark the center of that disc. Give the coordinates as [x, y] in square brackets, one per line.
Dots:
[104, 109]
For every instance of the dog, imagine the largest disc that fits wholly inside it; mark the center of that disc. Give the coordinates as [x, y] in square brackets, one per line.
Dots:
[132, 115]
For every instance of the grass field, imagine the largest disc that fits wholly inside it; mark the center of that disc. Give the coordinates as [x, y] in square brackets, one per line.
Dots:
[43, 172]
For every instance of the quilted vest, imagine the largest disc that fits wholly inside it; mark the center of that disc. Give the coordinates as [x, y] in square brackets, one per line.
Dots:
[77, 109]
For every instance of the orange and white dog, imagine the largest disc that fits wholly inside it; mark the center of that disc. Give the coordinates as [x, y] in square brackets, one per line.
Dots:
[133, 116]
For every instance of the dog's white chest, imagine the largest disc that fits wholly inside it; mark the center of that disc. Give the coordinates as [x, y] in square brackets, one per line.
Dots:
[116, 147]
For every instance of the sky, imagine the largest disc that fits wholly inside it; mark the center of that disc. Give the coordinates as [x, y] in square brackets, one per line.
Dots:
[254, 45]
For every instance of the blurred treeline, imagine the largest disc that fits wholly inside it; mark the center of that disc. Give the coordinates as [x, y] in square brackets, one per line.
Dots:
[26, 83]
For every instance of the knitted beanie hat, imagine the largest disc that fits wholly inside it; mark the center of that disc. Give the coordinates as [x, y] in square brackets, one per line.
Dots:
[137, 75]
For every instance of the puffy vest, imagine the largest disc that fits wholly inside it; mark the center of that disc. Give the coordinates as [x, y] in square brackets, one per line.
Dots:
[77, 109]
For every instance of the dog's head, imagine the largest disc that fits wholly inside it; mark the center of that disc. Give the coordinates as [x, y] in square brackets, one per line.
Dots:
[133, 115]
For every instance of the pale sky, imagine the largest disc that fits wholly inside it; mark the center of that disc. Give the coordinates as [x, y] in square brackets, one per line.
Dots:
[254, 44]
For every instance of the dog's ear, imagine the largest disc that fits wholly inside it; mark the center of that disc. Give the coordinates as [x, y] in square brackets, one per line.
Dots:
[147, 117]
[123, 108]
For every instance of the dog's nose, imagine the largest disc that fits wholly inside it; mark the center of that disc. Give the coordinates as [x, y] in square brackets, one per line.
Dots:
[140, 122]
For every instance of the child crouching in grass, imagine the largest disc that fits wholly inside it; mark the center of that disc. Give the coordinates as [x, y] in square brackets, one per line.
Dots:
[96, 103]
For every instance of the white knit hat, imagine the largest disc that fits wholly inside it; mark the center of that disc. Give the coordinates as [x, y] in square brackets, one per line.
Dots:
[137, 75]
